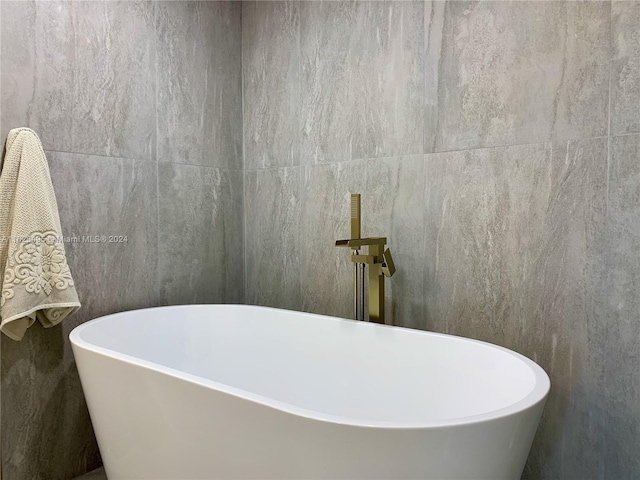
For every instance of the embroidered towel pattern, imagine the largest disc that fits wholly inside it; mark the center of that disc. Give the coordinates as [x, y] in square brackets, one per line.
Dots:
[36, 280]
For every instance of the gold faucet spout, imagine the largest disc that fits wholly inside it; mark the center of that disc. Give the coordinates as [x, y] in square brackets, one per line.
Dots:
[357, 243]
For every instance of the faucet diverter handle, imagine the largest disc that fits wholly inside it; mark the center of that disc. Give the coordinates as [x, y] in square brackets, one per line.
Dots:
[388, 268]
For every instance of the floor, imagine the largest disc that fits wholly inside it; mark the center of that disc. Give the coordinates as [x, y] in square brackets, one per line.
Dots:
[97, 474]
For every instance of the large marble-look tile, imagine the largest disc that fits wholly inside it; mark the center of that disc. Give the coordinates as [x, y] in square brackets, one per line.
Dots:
[18, 64]
[568, 291]
[326, 271]
[66, 75]
[522, 72]
[46, 429]
[114, 198]
[271, 63]
[199, 108]
[37, 72]
[620, 310]
[272, 246]
[201, 235]
[390, 209]
[114, 97]
[513, 237]
[42, 401]
[625, 72]
[362, 72]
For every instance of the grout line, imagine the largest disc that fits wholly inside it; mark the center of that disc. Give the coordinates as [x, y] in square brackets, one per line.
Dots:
[493, 147]
[244, 170]
[211, 167]
[285, 167]
[298, 5]
[606, 211]
[630, 134]
[2, 152]
[610, 69]
[400, 156]
[280, 167]
[158, 236]
[609, 112]
[132, 159]
[98, 155]
[425, 69]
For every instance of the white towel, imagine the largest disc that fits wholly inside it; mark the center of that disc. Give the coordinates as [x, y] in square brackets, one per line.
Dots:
[36, 282]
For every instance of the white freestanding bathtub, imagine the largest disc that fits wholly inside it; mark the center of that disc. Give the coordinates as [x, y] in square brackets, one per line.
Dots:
[233, 391]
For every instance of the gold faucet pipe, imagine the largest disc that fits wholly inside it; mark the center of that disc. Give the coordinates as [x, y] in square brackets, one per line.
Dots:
[355, 288]
[362, 286]
[376, 287]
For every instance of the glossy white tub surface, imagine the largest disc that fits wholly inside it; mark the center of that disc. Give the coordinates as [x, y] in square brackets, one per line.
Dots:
[235, 391]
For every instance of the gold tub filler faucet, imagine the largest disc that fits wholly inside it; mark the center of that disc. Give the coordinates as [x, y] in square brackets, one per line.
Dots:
[377, 258]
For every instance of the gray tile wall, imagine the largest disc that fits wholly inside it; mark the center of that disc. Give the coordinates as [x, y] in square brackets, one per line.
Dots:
[497, 145]
[620, 306]
[138, 105]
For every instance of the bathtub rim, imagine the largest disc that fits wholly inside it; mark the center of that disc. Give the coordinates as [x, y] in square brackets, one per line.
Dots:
[536, 396]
